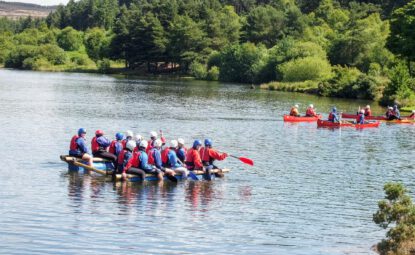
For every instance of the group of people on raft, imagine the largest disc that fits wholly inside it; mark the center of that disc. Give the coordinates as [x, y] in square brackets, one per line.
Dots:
[134, 155]
[391, 114]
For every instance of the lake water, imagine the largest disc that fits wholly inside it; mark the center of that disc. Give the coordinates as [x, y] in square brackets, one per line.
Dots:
[311, 191]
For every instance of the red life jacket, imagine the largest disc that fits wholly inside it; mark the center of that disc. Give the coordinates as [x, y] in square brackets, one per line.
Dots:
[294, 111]
[368, 112]
[310, 112]
[121, 157]
[73, 145]
[112, 147]
[193, 159]
[124, 143]
[149, 146]
[204, 154]
[94, 144]
[151, 157]
[136, 159]
[165, 155]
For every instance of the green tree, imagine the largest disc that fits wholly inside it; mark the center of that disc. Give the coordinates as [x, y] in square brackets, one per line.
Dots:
[96, 43]
[121, 38]
[401, 40]
[396, 212]
[69, 39]
[304, 69]
[264, 24]
[401, 87]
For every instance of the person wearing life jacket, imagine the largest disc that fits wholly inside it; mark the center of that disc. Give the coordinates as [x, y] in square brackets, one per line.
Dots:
[395, 115]
[128, 162]
[389, 112]
[194, 161]
[154, 158]
[412, 116]
[128, 136]
[78, 148]
[138, 138]
[144, 164]
[294, 111]
[209, 155]
[360, 119]
[116, 145]
[181, 150]
[174, 162]
[310, 111]
[153, 138]
[333, 117]
[100, 145]
[367, 111]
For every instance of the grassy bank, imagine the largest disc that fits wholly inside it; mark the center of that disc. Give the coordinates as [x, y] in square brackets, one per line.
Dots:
[310, 87]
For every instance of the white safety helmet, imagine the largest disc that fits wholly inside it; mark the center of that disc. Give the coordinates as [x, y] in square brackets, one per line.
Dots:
[367, 106]
[173, 144]
[129, 133]
[158, 143]
[144, 144]
[413, 111]
[296, 106]
[311, 106]
[153, 134]
[138, 138]
[390, 108]
[180, 141]
[131, 145]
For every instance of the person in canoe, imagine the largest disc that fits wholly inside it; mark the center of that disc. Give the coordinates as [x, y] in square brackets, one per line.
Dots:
[174, 162]
[116, 145]
[128, 161]
[181, 150]
[100, 145]
[393, 114]
[209, 155]
[310, 112]
[389, 112]
[412, 116]
[367, 111]
[360, 119]
[138, 138]
[142, 161]
[153, 138]
[333, 116]
[128, 136]
[294, 111]
[194, 161]
[78, 148]
[154, 158]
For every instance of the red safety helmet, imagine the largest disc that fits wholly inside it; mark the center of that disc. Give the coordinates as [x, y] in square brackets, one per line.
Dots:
[99, 132]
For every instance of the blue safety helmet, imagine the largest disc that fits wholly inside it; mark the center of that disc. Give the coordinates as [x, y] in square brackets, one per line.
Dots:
[334, 109]
[197, 143]
[208, 142]
[395, 107]
[119, 136]
[81, 131]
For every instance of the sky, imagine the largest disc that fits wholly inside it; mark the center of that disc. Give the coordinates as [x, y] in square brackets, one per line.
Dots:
[40, 2]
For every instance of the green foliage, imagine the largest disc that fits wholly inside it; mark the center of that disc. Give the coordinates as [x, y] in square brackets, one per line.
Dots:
[402, 36]
[6, 45]
[401, 87]
[242, 63]
[69, 39]
[96, 43]
[52, 53]
[19, 54]
[213, 74]
[307, 68]
[397, 212]
[104, 65]
[198, 70]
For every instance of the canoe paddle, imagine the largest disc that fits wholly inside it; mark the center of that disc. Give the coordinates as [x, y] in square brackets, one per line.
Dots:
[247, 161]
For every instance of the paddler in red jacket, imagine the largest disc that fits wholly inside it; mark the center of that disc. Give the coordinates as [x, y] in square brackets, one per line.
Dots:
[209, 155]
[310, 111]
[194, 161]
[367, 111]
[412, 116]
[294, 111]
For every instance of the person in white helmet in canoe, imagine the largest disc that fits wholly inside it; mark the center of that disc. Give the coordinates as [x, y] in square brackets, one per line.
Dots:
[310, 112]
[294, 111]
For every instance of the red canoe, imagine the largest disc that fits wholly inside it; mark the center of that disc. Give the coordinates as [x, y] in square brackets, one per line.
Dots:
[289, 118]
[354, 116]
[329, 124]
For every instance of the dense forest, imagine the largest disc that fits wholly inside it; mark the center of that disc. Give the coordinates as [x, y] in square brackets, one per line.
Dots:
[356, 49]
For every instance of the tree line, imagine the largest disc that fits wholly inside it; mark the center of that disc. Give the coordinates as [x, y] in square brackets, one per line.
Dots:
[358, 49]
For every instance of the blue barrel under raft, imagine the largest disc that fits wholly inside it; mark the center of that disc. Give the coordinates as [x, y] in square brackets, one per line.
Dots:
[105, 167]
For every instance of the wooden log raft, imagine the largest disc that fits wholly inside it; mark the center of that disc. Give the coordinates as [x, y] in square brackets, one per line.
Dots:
[131, 177]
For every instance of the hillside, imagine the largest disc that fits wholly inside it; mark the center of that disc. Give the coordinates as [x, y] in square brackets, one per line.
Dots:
[16, 10]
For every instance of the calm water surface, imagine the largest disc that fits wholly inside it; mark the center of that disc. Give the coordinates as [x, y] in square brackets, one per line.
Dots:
[312, 191]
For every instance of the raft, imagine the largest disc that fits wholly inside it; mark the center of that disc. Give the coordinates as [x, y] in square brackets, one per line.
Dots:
[289, 118]
[105, 168]
[329, 124]
[383, 118]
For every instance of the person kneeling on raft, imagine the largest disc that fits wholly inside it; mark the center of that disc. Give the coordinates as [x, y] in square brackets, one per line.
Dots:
[154, 158]
[174, 162]
[100, 145]
[209, 155]
[194, 161]
[127, 161]
[78, 148]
